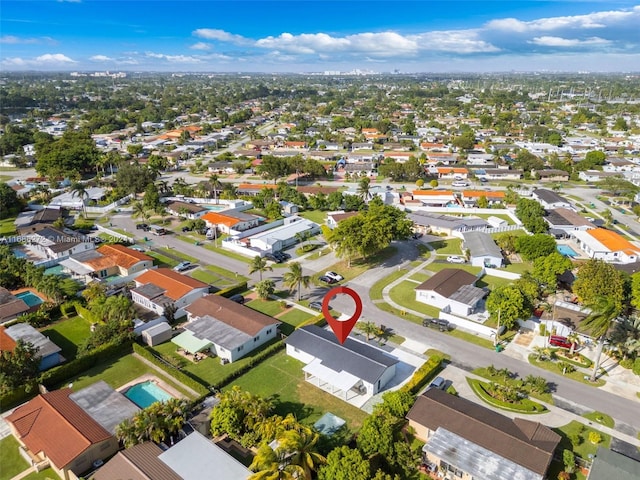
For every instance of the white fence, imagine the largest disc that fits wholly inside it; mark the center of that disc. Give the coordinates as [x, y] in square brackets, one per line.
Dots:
[115, 234]
[494, 272]
[237, 247]
[108, 208]
[468, 325]
[261, 228]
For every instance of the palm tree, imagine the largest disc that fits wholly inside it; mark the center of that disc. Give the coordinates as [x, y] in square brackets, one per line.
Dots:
[368, 328]
[272, 464]
[303, 445]
[295, 278]
[364, 189]
[216, 185]
[604, 311]
[626, 336]
[574, 338]
[259, 264]
[229, 191]
[139, 210]
[79, 190]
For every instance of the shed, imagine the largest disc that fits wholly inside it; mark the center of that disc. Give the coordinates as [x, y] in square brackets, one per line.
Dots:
[157, 334]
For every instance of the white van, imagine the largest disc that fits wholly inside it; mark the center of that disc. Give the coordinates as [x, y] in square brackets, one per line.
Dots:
[459, 183]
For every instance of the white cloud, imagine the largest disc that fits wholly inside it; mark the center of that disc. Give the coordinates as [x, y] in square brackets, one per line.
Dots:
[101, 58]
[455, 41]
[54, 58]
[13, 40]
[548, 41]
[221, 35]
[47, 60]
[174, 58]
[200, 46]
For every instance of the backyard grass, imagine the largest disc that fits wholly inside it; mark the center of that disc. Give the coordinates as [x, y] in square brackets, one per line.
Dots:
[447, 247]
[601, 418]
[68, 334]
[492, 282]
[316, 216]
[46, 474]
[268, 307]
[578, 375]
[291, 394]
[375, 292]
[11, 463]
[519, 267]
[404, 294]
[7, 227]
[162, 260]
[292, 319]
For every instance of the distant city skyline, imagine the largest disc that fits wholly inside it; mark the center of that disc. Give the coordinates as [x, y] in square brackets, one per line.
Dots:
[309, 36]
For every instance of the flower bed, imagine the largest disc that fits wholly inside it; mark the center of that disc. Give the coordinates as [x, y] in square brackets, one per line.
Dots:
[578, 359]
[481, 389]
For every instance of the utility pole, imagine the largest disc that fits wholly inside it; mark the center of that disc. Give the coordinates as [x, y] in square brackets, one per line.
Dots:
[496, 338]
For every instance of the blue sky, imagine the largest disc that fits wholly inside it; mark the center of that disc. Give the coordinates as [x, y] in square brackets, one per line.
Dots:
[295, 36]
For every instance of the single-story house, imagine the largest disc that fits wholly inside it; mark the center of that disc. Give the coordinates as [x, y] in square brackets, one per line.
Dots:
[550, 199]
[72, 200]
[424, 222]
[11, 307]
[308, 190]
[48, 351]
[155, 289]
[434, 198]
[139, 462]
[498, 173]
[226, 328]
[608, 465]
[157, 334]
[452, 290]
[32, 221]
[551, 175]
[352, 368]
[188, 210]
[254, 188]
[106, 261]
[596, 175]
[449, 172]
[467, 440]
[333, 218]
[231, 220]
[566, 220]
[483, 250]
[52, 243]
[279, 238]
[607, 245]
[55, 428]
[471, 197]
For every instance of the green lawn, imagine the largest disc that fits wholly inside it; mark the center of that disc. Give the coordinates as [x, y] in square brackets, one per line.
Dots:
[492, 282]
[234, 276]
[447, 247]
[291, 394]
[519, 267]
[268, 307]
[316, 216]
[68, 334]
[5, 178]
[420, 277]
[472, 338]
[375, 292]
[7, 227]
[292, 319]
[506, 218]
[578, 375]
[209, 370]
[46, 474]
[227, 253]
[162, 260]
[358, 267]
[404, 294]
[601, 418]
[11, 463]
[436, 267]
[585, 447]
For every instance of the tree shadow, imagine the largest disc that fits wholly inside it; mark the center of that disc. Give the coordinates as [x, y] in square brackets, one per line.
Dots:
[284, 407]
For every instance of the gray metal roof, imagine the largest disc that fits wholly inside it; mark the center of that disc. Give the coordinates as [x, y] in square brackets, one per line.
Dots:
[445, 221]
[609, 465]
[358, 359]
[468, 294]
[220, 333]
[549, 196]
[481, 245]
[474, 459]
[106, 406]
[149, 290]
[198, 458]
[237, 214]
[25, 332]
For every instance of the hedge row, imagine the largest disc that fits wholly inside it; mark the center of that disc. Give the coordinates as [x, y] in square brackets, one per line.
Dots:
[17, 396]
[259, 358]
[423, 374]
[182, 377]
[85, 313]
[525, 405]
[68, 309]
[583, 362]
[229, 291]
[318, 320]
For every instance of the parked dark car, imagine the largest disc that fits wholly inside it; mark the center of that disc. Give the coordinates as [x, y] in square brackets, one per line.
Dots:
[143, 226]
[273, 258]
[328, 280]
[439, 323]
[186, 229]
[237, 298]
[316, 305]
[438, 383]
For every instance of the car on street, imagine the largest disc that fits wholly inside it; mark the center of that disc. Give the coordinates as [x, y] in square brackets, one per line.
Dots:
[182, 266]
[459, 183]
[316, 305]
[558, 341]
[456, 259]
[334, 275]
[328, 280]
[142, 226]
[439, 323]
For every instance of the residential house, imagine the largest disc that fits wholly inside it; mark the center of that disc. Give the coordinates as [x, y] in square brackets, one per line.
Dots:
[470, 198]
[435, 198]
[317, 189]
[54, 428]
[48, 351]
[53, 244]
[155, 289]
[11, 307]
[32, 221]
[74, 201]
[451, 173]
[498, 173]
[479, 158]
[566, 221]
[107, 261]
[452, 290]
[139, 462]
[608, 465]
[188, 210]
[441, 158]
[254, 188]
[399, 157]
[333, 218]
[596, 175]
[551, 175]
[435, 223]
[345, 370]
[550, 199]
[231, 221]
[467, 440]
[607, 245]
[226, 328]
[279, 238]
[483, 251]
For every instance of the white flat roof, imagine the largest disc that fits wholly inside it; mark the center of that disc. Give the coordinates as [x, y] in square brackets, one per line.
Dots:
[284, 232]
[592, 243]
[342, 380]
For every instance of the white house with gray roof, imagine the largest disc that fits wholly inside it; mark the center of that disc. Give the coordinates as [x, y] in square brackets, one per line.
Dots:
[483, 251]
[348, 370]
[425, 222]
[281, 237]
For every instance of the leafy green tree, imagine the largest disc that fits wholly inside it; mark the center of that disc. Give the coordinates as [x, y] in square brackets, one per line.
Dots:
[531, 214]
[156, 423]
[535, 246]
[295, 278]
[376, 436]
[151, 199]
[273, 210]
[547, 269]
[466, 141]
[353, 203]
[18, 366]
[604, 310]
[592, 160]
[9, 203]
[70, 155]
[344, 463]
[274, 167]
[507, 242]
[595, 278]
[618, 186]
[259, 264]
[134, 178]
[434, 183]
[635, 290]
[395, 404]
[265, 288]
[270, 464]
[509, 303]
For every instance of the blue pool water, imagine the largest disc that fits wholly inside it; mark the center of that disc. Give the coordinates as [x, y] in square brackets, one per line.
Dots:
[566, 251]
[30, 298]
[146, 393]
[215, 208]
[19, 253]
[55, 270]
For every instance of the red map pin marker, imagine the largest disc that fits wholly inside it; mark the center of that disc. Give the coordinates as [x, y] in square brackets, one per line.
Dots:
[341, 328]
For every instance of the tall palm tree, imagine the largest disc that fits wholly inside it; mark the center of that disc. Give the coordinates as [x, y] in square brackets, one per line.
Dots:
[216, 185]
[79, 190]
[229, 191]
[272, 464]
[574, 338]
[364, 189]
[604, 311]
[259, 264]
[626, 336]
[295, 278]
[303, 446]
[139, 210]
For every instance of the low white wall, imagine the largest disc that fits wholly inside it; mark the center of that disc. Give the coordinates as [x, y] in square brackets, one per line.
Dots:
[107, 208]
[234, 247]
[113, 233]
[494, 272]
[468, 325]
[261, 228]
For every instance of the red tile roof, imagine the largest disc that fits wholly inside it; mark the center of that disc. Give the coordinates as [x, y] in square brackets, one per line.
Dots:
[220, 219]
[54, 424]
[7, 344]
[117, 255]
[175, 284]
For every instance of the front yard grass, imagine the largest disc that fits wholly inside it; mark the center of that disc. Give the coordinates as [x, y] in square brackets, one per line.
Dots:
[292, 394]
[472, 338]
[578, 432]
[577, 375]
[601, 418]
[358, 266]
[7, 227]
[316, 216]
[227, 253]
[68, 334]
[268, 307]
[447, 247]
[375, 292]
[11, 463]
[293, 319]
[404, 294]
[484, 372]
[436, 267]
[162, 260]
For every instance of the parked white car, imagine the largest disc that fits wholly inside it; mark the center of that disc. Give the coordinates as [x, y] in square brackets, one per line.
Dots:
[460, 184]
[336, 276]
[455, 259]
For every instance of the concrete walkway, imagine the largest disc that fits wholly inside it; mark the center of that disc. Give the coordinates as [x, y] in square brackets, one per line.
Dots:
[24, 473]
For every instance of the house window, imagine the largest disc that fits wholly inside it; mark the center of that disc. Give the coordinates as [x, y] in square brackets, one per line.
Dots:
[103, 273]
[268, 331]
[240, 348]
[257, 338]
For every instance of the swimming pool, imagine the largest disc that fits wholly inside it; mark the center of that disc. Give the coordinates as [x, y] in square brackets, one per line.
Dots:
[19, 253]
[146, 393]
[567, 251]
[215, 208]
[55, 270]
[30, 298]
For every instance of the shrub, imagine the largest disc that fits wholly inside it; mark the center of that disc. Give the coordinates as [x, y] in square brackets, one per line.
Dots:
[595, 437]
[543, 329]
[524, 405]
[626, 363]
[85, 313]
[68, 309]
[636, 366]
[229, 291]
[575, 439]
[423, 374]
